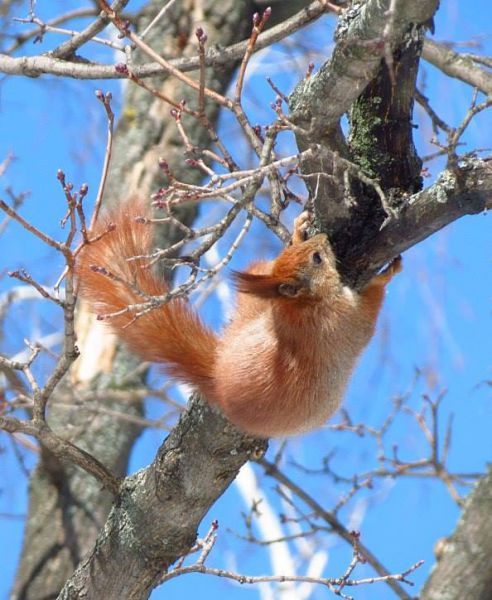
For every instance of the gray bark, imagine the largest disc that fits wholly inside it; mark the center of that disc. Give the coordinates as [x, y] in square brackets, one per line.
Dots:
[456, 65]
[464, 568]
[320, 101]
[157, 514]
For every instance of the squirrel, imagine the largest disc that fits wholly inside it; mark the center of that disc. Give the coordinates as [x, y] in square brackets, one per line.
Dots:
[282, 363]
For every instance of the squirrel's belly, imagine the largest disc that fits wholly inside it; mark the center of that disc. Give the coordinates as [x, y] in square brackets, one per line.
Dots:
[263, 400]
[277, 414]
[273, 391]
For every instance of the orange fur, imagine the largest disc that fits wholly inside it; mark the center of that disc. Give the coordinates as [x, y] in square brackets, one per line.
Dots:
[282, 363]
[173, 333]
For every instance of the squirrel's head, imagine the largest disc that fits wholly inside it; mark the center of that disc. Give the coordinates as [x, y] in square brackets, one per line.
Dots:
[305, 271]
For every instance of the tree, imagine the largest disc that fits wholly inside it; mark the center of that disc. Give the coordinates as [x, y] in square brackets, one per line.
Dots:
[365, 182]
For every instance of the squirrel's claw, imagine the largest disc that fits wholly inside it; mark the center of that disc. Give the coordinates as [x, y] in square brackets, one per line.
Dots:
[394, 267]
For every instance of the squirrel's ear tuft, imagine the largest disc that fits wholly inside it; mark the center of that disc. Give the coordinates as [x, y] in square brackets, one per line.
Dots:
[266, 286]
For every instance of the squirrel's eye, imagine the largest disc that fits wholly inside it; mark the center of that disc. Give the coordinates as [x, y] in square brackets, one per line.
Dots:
[317, 260]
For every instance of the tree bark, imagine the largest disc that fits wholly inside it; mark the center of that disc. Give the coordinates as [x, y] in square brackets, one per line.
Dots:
[463, 569]
[157, 514]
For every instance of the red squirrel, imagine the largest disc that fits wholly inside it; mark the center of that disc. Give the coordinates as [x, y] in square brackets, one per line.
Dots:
[282, 363]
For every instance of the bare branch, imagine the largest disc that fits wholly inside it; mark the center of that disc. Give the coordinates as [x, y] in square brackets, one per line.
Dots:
[62, 449]
[273, 471]
[49, 28]
[335, 585]
[68, 48]
[106, 101]
[34, 33]
[40, 65]
[457, 65]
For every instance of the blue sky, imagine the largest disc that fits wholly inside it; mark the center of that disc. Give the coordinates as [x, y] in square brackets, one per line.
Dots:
[437, 319]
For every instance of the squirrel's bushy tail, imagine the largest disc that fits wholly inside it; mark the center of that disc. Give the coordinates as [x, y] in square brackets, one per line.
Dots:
[173, 333]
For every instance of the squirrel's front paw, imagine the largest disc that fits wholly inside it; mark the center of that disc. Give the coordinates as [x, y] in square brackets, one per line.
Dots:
[301, 225]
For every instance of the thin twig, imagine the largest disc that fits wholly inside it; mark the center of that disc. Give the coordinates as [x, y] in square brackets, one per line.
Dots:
[258, 25]
[105, 99]
[273, 471]
[162, 13]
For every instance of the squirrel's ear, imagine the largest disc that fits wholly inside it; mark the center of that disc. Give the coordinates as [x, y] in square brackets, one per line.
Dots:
[291, 290]
[266, 286]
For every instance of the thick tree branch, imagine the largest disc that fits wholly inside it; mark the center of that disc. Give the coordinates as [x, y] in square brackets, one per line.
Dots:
[160, 508]
[465, 191]
[323, 98]
[463, 567]
[372, 72]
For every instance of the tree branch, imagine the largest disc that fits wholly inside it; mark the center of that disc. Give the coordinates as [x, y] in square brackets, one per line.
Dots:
[35, 66]
[68, 48]
[465, 191]
[380, 141]
[457, 65]
[160, 508]
[62, 449]
[333, 521]
[463, 567]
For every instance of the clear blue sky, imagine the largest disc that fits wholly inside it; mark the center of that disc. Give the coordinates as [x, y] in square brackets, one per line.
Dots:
[437, 319]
